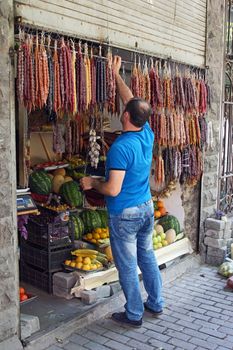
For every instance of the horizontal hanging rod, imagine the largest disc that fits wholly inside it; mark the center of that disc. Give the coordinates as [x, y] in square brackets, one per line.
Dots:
[28, 26]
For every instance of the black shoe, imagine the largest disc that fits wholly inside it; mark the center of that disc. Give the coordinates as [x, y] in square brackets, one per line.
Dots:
[155, 313]
[121, 317]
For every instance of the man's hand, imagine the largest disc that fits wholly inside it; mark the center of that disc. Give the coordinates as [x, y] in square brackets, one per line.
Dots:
[116, 65]
[86, 183]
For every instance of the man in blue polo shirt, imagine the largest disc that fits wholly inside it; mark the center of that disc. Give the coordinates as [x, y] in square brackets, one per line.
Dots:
[130, 208]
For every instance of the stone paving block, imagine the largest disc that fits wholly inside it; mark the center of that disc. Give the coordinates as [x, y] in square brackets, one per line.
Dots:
[214, 224]
[188, 324]
[62, 292]
[133, 334]
[160, 345]
[194, 333]
[174, 326]
[213, 333]
[178, 335]
[182, 344]
[79, 339]
[89, 296]
[199, 316]
[64, 280]
[96, 337]
[103, 291]
[116, 336]
[214, 234]
[203, 343]
[209, 325]
[94, 346]
[115, 287]
[215, 243]
[155, 335]
[136, 344]
[96, 328]
[112, 344]
[211, 308]
[53, 347]
[220, 342]
[226, 330]
[154, 327]
[71, 346]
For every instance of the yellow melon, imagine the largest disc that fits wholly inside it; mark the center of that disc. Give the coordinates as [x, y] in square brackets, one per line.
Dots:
[57, 181]
[60, 172]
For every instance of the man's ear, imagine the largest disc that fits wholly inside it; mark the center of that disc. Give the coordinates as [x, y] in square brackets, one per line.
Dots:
[127, 116]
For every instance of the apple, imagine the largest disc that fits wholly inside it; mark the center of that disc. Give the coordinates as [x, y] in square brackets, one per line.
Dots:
[159, 239]
[164, 243]
[155, 246]
[155, 240]
[159, 245]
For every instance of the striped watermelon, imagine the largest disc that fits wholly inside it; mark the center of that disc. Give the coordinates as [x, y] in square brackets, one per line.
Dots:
[40, 182]
[168, 222]
[78, 226]
[103, 217]
[91, 220]
[71, 194]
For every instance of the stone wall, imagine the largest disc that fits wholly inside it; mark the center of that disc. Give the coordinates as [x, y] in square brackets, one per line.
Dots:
[9, 305]
[215, 61]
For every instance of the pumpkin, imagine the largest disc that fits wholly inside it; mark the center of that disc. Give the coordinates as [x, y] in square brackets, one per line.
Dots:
[57, 181]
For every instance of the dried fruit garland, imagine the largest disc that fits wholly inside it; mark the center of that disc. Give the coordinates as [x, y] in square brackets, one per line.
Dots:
[179, 104]
[62, 79]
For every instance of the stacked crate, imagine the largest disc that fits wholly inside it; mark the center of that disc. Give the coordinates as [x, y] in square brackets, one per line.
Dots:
[50, 240]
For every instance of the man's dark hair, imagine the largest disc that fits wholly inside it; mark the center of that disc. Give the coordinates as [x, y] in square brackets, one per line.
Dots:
[139, 111]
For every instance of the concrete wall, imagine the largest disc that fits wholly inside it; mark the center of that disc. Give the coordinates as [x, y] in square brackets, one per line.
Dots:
[9, 306]
[215, 61]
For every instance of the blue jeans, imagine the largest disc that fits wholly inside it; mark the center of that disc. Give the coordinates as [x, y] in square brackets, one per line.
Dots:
[131, 242]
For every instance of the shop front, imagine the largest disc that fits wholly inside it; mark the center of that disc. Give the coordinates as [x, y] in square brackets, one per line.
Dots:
[68, 115]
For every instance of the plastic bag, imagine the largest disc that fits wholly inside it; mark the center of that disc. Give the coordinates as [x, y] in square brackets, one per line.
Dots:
[226, 269]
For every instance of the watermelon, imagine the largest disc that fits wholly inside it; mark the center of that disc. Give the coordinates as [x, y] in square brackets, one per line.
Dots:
[78, 226]
[168, 222]
[103, 217]
[91, 220]
[40, 182]
[71, 194]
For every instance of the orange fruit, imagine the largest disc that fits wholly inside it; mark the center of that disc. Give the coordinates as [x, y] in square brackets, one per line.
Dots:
[157, 214]
[162, 211]
[23, 297]
[160, 204]
[21, 290]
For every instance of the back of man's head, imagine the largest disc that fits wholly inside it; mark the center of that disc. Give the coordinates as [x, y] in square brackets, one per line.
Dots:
[139, 111]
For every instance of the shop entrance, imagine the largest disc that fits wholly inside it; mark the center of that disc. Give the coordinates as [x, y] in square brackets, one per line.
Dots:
[68, 116]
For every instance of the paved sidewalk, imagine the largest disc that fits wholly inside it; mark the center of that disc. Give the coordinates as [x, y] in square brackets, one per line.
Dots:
[198, 315]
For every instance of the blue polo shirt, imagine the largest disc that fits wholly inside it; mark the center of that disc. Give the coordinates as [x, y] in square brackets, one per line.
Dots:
[131, 152]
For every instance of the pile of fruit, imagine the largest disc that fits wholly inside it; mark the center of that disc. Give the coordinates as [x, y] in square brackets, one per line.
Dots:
[159, 209]
[159, 237]
[98, 236]
[87, 260]
[166, 231]
[22, 294]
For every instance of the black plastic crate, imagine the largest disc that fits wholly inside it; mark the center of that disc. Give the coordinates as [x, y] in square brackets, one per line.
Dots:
[36, 277]
[46, 234]
[41, 258]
